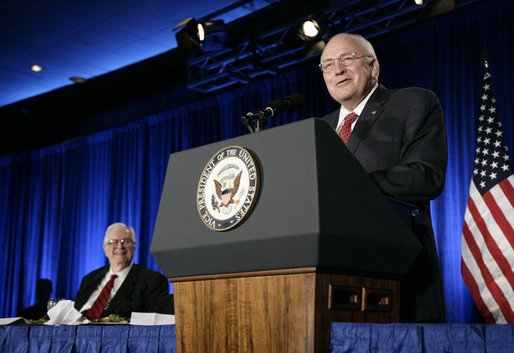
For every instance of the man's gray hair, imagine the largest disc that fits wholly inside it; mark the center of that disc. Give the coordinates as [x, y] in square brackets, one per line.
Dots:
[368, 48]
[366, 45]
[118, 225]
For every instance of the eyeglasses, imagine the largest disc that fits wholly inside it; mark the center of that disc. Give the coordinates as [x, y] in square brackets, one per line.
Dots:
[122, 242]
[328, 65]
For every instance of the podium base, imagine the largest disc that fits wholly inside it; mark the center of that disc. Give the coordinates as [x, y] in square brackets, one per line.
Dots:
[276, 311]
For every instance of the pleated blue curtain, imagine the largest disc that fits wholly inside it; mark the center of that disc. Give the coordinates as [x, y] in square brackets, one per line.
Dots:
[56, 202]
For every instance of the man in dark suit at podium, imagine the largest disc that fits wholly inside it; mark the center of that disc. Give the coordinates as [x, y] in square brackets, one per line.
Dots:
[122, 287]
[399, 137]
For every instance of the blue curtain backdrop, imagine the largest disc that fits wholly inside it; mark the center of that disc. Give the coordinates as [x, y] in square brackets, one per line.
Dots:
[55, 203]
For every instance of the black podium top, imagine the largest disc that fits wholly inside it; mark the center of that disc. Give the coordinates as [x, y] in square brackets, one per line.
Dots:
[316, 207]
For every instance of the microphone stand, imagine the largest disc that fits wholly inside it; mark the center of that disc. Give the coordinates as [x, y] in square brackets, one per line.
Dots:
[257, 118]
[259, 122]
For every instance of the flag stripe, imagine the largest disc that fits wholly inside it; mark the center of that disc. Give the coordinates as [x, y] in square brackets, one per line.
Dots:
[489, 281]
[500, 218]
[508, 189]
[475, 293]
[477, 278]
[494, 258]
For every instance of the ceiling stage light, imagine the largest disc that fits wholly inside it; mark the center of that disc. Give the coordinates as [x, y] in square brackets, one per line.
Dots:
[206, 35]
[36, 68]
[309, 30]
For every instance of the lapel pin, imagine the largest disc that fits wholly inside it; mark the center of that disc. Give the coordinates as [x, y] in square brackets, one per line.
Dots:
[374, 112]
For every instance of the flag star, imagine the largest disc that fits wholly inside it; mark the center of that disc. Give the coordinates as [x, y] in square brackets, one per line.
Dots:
[488, 130]
[497, 143]
[477, 150]
[494, 165]
[484, 163]
[484, 97]
[475, 171]
[496, 154]
[481, 118]
[479, 139]
[480, 128]
[482, 184]
[492, 176]
[492, 109]
[477, 160]
[482, 107]
[486, 86]
[485, 151]
[506, 157]
[483, 173]
[490, 120]
[493, 100]
[486, 141]
[505, 167]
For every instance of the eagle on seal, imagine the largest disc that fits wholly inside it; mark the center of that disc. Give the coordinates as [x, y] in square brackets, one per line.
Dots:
[226, 195]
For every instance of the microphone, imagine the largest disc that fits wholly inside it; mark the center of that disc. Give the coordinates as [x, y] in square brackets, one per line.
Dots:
[273, 108]
[288, 104]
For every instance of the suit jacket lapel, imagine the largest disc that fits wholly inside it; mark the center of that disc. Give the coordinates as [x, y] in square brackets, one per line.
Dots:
[369, 115]
[89, 287]
[95, 280]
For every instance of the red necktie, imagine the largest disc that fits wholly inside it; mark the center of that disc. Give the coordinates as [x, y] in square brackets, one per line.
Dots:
[346, 130]
[100, 302]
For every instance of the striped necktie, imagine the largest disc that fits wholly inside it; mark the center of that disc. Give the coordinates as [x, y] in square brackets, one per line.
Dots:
[101, 302]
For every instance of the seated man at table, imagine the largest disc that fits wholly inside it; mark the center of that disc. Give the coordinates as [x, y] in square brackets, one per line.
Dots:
[122, 287]
[38, 310]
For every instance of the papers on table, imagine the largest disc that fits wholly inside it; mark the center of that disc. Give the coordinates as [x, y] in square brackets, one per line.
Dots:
[13, 320]
[151, 319]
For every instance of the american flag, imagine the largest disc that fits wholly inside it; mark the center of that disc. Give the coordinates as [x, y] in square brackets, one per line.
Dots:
[487, 236]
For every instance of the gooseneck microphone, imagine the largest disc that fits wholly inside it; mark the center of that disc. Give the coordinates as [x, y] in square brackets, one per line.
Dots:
[289, 104]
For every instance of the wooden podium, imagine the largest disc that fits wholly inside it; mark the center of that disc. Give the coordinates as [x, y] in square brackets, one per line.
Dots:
[276, 311]
[322, 244]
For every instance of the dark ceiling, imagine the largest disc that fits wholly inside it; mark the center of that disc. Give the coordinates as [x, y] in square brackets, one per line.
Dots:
[89, 38]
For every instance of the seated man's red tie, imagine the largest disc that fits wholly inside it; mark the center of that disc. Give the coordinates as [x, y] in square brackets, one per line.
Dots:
[101, 302]
[346, 130]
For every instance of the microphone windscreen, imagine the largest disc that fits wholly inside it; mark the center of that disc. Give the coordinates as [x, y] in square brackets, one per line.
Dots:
[278, 105]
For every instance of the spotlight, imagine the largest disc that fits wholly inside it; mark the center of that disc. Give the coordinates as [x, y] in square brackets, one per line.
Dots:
[419, 2]
[212, 35]
[200, 32]
[207, 35]
[309, 30]
[187, 37]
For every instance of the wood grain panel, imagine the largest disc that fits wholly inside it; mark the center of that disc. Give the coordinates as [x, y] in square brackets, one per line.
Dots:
[250, 314]
[272, 311]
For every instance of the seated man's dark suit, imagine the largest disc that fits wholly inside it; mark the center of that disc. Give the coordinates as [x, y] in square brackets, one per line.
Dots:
[34, 312]
[143, 290]
[400, 140]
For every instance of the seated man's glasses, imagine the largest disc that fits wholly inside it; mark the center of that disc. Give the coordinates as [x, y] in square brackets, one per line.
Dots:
[328, 65]
[122, 242]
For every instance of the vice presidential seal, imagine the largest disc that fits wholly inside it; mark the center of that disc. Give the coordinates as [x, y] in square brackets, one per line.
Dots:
[227, 188]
